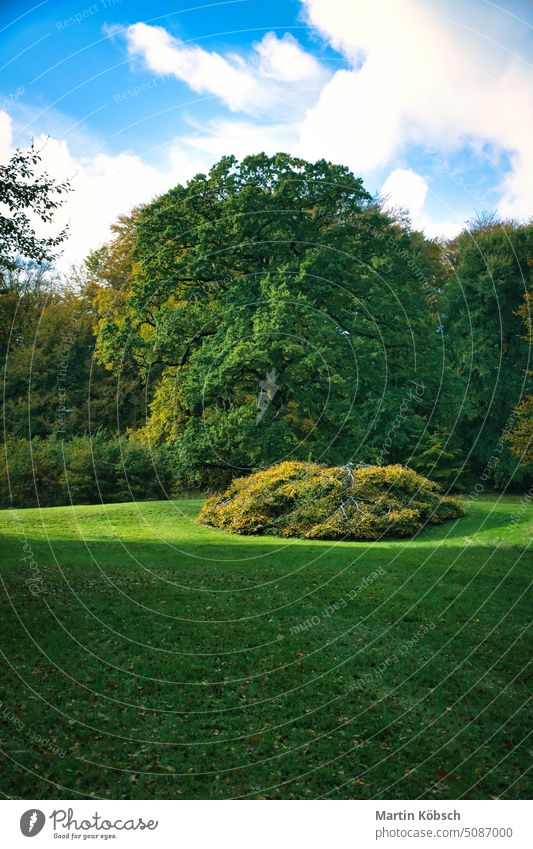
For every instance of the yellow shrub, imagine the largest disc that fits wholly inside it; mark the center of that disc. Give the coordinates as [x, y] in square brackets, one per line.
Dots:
[295, 499]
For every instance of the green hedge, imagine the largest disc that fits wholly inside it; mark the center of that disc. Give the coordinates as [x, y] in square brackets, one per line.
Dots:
[83, 470]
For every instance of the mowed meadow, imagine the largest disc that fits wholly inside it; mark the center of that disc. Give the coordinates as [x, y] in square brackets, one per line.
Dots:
[266, 467]
[148, 656]
[271, 335]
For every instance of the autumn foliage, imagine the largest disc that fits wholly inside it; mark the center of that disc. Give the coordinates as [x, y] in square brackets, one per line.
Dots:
[296, 499]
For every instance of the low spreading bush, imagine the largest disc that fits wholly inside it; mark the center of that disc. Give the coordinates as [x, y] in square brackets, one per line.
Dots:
[295, 499]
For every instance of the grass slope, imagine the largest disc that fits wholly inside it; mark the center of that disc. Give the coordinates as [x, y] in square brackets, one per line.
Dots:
[164, 659]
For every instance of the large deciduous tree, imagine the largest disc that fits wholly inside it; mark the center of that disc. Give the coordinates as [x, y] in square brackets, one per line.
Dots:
[280, 313]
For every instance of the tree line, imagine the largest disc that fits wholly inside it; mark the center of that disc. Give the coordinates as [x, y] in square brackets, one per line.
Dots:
[268, 310]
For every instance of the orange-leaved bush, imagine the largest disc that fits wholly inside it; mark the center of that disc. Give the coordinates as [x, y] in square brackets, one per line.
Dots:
[295, 499]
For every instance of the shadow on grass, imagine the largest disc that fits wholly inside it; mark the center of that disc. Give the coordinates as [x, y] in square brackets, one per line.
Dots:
[476, 520]
[302, 569]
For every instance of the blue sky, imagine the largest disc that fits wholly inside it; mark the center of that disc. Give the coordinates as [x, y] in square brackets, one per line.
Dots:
[429, 100]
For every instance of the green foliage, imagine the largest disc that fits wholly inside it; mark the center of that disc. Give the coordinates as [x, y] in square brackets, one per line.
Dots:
[271, 310]
[83, 470]
[440, 458]
[492, 269]
[521, 436]
[52, 383]
[31, 473]
[295, 499]
[277, 266]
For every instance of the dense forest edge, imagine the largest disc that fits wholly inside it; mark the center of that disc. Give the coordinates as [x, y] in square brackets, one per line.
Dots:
[135, 376]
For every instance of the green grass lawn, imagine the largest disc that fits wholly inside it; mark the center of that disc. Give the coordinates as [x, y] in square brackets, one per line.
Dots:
[163, 659]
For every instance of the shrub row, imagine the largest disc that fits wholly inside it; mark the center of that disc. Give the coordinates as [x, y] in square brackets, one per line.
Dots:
[83, 470]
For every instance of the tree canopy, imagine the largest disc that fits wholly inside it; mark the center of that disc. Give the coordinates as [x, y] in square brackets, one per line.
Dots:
[521, 436]
[279, 269]
[491, 272]
[272, 310]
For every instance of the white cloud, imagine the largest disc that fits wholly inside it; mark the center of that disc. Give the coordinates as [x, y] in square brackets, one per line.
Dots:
[204, 72]
[419, 74]
[414, 81]
[6, 135]
[283, 59]
[104, 186]
[241, 138]
[417, 78]
[406, 189]
[260, 83]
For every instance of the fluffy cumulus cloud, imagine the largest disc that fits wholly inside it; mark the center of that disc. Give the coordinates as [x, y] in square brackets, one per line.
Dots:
[275, 74]
[104, 186]
[240, 137]
[274, 82]
[419, 77]
[405, 189]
